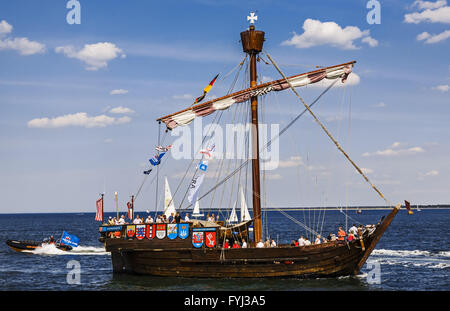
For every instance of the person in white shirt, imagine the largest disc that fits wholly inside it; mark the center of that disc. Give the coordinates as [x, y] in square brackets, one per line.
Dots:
[121, 220]
[273, 244]
[301, 241]
[244, 244]
[260, 244]
[353, 230]
[307, 242]
[149, 220]
[137, 220]
[186, 218]
[318, 241]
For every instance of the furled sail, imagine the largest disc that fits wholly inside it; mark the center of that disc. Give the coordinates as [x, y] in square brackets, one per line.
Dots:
[169, 207]
[233, 216]
[245, 215]
[186, 116]
[196, 212]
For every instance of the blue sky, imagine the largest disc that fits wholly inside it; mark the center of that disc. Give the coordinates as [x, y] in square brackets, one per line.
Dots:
[162, 54]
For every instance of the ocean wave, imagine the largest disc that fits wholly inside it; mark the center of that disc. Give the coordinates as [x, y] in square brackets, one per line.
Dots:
[400, 253]
[50, 249]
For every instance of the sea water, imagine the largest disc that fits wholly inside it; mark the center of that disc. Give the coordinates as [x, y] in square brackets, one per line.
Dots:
[413, 254]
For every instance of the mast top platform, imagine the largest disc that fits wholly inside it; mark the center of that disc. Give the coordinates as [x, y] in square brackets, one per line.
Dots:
[252, 40]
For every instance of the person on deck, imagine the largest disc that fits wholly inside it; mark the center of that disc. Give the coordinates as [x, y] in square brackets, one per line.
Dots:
[318, 240]
[110, 221]
[301, 241]
[267, 243]
[186, 218]
[341, 234]
[236, 244]
[307, 242]
[260, 244]
[149, 220]
[353, 230]
[121, 220]
[273, 244]
[350, 237]
[244, 244]
[177, 218]
[226, 244]
[171, 218]
[137, 220]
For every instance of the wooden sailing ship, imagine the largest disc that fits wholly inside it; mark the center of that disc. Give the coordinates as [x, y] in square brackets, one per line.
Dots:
[196, 248]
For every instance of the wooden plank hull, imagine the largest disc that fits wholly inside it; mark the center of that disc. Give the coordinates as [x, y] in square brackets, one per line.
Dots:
[159, 257]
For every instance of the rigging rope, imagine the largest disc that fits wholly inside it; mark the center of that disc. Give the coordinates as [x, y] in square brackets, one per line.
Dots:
[268, 144]
[328, 133]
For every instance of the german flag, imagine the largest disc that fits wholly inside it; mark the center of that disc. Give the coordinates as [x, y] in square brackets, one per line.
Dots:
[206, 90]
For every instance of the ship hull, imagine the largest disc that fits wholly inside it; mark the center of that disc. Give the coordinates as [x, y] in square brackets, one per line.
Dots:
[326, 260]
[179, 259]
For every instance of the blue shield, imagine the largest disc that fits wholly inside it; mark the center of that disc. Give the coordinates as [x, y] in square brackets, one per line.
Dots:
[68, 239]
[172, 231]
[183, 231]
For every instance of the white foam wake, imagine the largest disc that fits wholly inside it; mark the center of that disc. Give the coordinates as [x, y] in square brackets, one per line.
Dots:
[414, 258]
[50, 249]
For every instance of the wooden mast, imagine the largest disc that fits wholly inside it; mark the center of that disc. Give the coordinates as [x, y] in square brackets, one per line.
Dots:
[252, 42]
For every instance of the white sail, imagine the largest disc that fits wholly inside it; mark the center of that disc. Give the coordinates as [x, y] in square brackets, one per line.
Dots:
[233, 217]
[196, 212]
[245, 215]
[169, 207]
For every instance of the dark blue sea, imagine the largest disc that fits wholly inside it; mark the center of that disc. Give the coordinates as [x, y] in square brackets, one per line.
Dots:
[413, 255]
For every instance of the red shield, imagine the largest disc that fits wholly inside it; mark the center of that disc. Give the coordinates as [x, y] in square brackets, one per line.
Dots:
[210, 239]
[150, 234]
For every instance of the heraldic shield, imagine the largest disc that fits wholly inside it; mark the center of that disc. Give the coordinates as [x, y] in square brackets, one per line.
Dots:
[161, 231]
[172, 231]
[130, 231]
[150, 231]
[197, 239]
[183, 231]
[210, 240]
[140, 232]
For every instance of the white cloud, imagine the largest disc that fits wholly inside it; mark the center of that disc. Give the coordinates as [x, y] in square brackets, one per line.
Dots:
[291, 162]
[329, 33]
[428, 4]
[95, 56]
[432, 173]
[430, 39]
[121, 110]
[379, 105]
[77, 119]
[367, 170]
[443, 88]
[395, 150]
[20, 44]
[184, 96]
[5, 28]
[440, 14]
[118, 92]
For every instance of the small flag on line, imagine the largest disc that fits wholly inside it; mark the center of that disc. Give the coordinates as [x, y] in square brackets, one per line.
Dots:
[99, 214]
[130, 210]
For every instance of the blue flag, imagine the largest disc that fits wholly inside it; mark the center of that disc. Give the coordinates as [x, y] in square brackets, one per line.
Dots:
[156, 160]
[68, 239]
